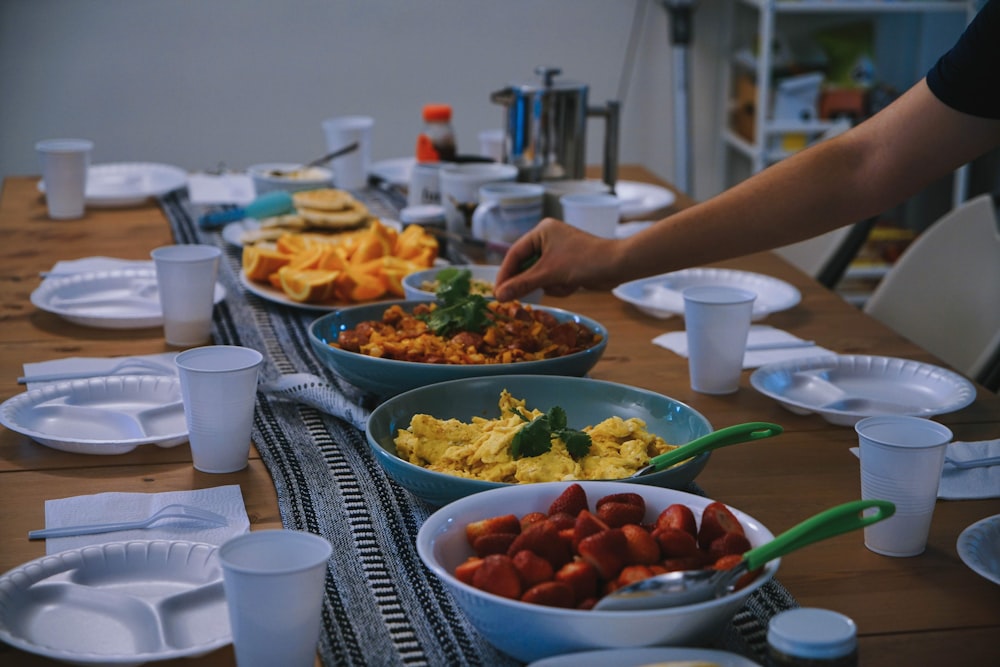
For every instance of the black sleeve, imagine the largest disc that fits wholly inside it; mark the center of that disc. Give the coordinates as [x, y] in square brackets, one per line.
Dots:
[967, 78]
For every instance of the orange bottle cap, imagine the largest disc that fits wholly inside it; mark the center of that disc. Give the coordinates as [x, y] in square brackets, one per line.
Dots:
[437, 113]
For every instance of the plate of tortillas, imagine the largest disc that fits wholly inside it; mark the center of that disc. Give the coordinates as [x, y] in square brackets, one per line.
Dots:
[320, 211]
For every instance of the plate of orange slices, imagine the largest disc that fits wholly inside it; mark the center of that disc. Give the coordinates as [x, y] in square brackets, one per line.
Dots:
[322, 272]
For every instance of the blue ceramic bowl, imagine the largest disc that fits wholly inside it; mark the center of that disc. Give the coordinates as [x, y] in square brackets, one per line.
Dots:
[586, 402]
[388, 377]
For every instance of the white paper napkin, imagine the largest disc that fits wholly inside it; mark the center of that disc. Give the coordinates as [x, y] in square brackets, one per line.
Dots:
[215, 189]
[98, 366]
[969, 483]
[761, 336]
[70, 267]
[107, 507]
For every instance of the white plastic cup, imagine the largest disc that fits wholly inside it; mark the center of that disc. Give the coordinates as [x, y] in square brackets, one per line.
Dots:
[491, 144]
[595, 213]
[64, 165]
[425, 183]
[901, 461]
[219, 389]
[185, 280]
[350, 171]
[274, 582]
[717, 319]
[460, 185]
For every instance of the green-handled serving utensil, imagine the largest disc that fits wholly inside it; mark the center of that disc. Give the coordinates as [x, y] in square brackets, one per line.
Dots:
[674, 589]
[724, 437]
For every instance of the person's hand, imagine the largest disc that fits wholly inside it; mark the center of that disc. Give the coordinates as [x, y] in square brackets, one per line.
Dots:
[558, 258]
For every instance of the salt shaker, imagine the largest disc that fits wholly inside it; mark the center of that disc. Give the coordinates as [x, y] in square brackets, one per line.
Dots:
[810, 637]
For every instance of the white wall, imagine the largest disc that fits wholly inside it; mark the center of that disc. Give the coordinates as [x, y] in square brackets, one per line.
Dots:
[196, 82]
[199, 82]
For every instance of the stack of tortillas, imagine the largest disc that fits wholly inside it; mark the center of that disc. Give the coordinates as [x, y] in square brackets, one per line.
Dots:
[321, 210]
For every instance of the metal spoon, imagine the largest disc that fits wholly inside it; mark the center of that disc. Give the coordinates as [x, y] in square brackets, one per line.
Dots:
[674, 589]
[349, 148]
[724, 437]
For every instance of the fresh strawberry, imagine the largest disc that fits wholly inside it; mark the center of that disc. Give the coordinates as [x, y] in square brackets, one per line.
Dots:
[627, 498]
[572, 501]
[630, 574]
[728, 544]
[586, 525]
[497, 575]
[675, 543]
[581, 577]
[563, 520]
[678, 516]
[617, 514]
[493, 543]
[530, 518]
[731, 561]
[606, 551]
[550, 594]
[642, 548]
[543, 538]
[532, 568]
[717, 519]
[685, 563]
[466, 570]
[507, 523]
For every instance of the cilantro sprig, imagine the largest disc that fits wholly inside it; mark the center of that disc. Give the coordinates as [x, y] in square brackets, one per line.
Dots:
[535, 437]
[458, 309]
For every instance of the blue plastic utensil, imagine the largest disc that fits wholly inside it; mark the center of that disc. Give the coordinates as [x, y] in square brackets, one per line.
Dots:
[274, 203]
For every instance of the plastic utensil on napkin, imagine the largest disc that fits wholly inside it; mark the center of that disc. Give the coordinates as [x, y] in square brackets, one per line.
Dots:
[765, 345]
[274, 203]
[968, 483]
[107, 507]
[95, 367]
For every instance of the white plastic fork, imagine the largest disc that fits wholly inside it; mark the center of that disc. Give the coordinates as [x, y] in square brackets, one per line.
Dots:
[167, 512]
[147, 365]
[974, 463]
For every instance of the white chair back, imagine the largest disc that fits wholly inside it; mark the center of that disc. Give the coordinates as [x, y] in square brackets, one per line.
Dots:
[943, 293]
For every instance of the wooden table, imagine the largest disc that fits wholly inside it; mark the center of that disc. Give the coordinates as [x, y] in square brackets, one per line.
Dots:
[926, 610]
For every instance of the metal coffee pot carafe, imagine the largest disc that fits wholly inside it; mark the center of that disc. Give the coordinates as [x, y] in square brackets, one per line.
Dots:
[545, 129]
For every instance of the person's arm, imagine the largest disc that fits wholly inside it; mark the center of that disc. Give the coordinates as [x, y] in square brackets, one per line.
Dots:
[844, 180]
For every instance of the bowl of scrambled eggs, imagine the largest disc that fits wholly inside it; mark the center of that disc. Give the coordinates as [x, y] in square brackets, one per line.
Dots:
[449, 440]
[531, 632]
[384, 377]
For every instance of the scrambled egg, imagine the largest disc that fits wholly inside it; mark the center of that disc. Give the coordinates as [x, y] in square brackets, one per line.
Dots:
[481, 449]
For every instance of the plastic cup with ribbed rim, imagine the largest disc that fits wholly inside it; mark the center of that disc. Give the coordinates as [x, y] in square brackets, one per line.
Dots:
[274, 582]
[350, 171]
[717, 319]
[185, 281]
[596, 213]
[219, 389]
[64, 165]
[901, 461]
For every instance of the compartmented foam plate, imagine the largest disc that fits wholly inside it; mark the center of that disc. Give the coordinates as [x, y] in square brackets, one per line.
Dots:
[103, 415]
[120, 603]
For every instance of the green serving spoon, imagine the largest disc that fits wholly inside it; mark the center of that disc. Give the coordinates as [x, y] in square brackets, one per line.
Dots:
[724, 437]
[674, 589]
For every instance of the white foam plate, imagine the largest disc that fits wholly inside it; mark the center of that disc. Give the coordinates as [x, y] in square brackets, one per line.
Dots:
[660, 296]
[121, 603]
[129, 183]
[394, 170]
[844, 389]
[639, 657]
[115, 299]
[233, 232]
[639, 199]
[110, 414]
[979, 548]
